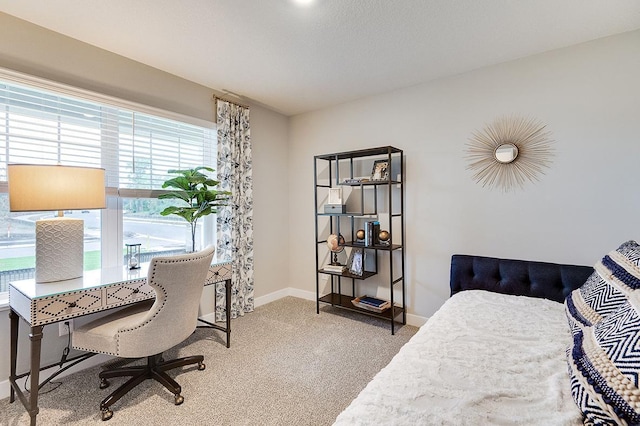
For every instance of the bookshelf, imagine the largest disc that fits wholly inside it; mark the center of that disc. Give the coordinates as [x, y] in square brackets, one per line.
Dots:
[372, 182]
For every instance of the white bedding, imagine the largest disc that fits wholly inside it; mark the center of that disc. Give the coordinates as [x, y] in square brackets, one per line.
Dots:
[483, 358]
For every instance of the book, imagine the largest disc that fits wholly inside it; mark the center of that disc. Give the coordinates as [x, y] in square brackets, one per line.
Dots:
[371, 231]
[335, 268]
[371, 304]
[376, 231]
[355, 180]
[373, 301]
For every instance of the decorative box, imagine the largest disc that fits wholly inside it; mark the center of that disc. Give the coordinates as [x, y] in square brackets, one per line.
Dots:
[335, 208]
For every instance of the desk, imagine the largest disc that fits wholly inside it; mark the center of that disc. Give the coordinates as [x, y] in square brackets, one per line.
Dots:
[96, 291]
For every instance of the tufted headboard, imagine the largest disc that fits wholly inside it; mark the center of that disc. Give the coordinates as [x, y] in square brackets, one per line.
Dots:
[517, 277]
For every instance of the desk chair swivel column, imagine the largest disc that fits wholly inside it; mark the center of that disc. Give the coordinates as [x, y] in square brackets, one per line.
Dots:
[148, 330]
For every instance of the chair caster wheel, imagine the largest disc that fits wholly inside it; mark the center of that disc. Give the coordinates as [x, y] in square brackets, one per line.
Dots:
[179, 399]
[104, 383]
[106, 414]
[201, 366]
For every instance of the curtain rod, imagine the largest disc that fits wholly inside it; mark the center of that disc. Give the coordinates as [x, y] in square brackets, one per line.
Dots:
[216, 97]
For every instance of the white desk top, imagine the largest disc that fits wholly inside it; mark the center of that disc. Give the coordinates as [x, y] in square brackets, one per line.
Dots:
[90, 279]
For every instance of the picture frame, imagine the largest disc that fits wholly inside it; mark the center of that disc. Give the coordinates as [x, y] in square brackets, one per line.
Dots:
[335, 196]
[380, 170]
[355, 264]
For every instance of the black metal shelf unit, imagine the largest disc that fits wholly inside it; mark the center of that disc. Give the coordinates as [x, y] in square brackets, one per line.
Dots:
[372, 198]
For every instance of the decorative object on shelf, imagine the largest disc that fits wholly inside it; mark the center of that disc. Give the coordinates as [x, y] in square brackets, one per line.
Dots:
[509, 151]
[360, 236]
[193, 187]
[335, 196]
[335, 208]
[133, 255]
[59, 240]
[334, 202]
[356, 261]
[384, 237]
[380, 170]
[335, 243]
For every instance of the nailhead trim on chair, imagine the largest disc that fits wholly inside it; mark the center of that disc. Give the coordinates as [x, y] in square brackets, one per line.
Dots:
[149, 279]
[117, 353]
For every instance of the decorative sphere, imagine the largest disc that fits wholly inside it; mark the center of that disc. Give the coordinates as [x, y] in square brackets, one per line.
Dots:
[333, 243]
[360, 234]
[384, 235]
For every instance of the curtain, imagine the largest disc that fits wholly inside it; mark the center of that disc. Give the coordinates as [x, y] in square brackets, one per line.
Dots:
[235, 223]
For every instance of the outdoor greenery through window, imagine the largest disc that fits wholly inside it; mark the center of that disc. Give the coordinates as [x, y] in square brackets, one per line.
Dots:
[46, 123]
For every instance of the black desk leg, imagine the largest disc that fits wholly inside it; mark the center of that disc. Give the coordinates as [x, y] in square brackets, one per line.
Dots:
[36, 342]
[14, 321]
[227, 286]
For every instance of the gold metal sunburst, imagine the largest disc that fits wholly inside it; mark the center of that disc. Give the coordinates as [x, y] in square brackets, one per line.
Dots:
[508, 152]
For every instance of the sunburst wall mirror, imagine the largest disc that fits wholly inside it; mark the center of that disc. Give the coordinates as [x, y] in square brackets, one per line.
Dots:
[508, 152]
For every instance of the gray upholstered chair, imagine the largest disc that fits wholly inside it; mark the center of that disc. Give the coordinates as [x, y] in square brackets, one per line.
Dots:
[148, 329]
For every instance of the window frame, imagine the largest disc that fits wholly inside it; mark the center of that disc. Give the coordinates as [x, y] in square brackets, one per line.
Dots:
[112, 216]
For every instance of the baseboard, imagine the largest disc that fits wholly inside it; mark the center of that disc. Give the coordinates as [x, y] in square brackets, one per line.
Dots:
[272, 297]
[414, 320]
[4, 389]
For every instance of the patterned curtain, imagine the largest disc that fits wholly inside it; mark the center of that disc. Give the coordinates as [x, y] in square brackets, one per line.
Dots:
[235, 223]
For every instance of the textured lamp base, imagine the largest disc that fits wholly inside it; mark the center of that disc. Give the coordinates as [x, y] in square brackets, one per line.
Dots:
[59, 249]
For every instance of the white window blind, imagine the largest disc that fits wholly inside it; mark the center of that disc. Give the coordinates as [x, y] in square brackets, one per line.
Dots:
[135, 148]
[150, 146]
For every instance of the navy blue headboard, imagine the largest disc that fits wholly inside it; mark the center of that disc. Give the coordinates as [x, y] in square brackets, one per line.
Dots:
[517, 277]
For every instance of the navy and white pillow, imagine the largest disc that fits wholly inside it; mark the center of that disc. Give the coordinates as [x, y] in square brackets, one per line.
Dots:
[604, 358]
[615, 276]
[604, 364]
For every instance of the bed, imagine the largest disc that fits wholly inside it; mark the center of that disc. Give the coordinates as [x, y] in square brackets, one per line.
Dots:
[497, 351]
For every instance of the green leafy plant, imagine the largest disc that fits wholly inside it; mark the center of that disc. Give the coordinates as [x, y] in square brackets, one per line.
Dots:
[195, 189]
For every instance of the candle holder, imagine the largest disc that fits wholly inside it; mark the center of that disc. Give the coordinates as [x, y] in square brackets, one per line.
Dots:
[133, 255]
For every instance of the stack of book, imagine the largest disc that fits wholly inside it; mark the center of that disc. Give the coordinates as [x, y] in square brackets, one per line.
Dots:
[355, 180]
[371, 231]
[335, 268]
[371, 303]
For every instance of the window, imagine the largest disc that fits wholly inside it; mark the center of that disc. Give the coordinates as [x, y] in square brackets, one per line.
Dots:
[46, 123]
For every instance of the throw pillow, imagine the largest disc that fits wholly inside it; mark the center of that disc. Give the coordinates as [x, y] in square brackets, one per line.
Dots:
[615, 276]
[604, 365]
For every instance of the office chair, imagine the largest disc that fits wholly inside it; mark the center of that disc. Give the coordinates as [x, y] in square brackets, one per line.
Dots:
[148, 329]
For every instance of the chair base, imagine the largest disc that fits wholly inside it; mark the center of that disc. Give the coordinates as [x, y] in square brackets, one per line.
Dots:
[154, 369]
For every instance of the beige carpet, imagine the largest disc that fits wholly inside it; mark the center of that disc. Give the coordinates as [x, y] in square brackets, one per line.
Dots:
[286, 366]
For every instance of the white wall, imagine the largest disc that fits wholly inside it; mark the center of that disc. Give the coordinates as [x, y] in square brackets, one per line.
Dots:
[585, 205]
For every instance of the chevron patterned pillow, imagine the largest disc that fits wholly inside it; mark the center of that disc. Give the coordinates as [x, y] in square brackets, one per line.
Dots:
[615, 276]
[604, 364]
[604, 359]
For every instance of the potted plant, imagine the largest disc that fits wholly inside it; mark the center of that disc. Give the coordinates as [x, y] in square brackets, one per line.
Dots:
[195, 189]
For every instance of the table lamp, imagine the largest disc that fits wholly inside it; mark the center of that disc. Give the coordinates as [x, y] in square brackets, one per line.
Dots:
[59, 240]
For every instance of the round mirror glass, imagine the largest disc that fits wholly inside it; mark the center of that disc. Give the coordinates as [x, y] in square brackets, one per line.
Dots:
[506, 153]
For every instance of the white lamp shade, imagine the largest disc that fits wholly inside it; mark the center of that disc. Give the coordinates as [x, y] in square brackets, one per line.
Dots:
[46, 188]
[59, 241]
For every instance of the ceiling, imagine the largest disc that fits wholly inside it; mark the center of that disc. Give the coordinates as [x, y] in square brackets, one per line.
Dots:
[296, 58]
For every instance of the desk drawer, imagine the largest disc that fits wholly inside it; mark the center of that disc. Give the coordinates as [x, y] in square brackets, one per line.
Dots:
[63, 306]
[125, 293]
[218, 273]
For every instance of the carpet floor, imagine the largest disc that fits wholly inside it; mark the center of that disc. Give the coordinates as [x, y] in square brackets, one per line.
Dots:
[287, 365]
